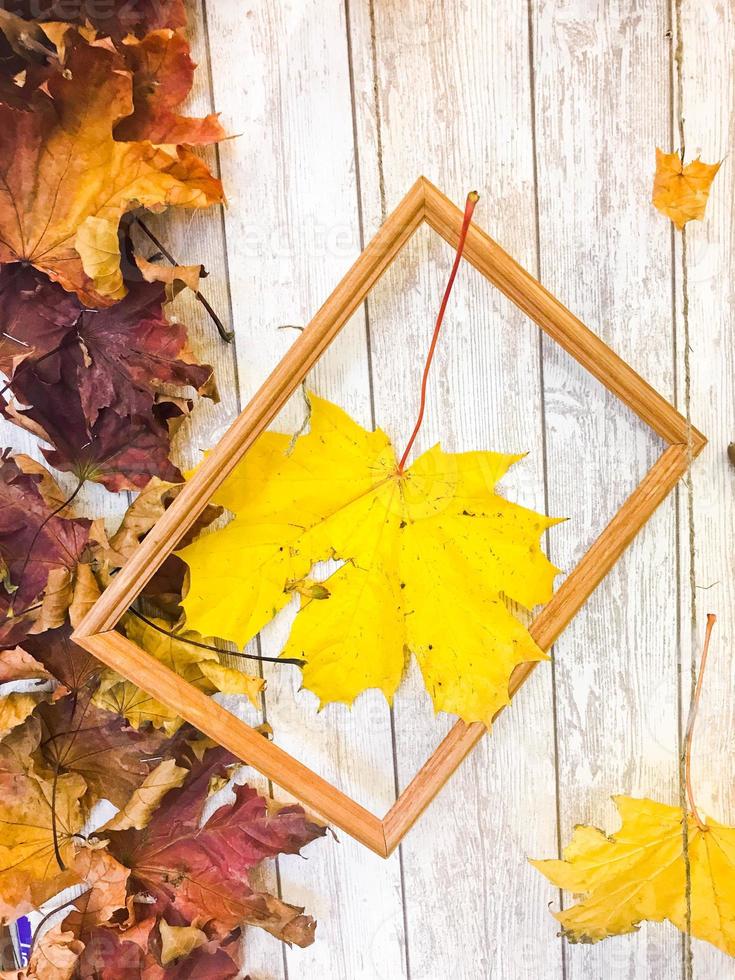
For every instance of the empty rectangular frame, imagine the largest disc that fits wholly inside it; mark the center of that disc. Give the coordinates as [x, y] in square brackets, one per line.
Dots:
[97, 632]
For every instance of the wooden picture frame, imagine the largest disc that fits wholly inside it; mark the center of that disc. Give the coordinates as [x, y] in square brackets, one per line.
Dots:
[97, 634]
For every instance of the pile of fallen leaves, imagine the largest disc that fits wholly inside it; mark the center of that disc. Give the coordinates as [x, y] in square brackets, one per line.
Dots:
[90, 133]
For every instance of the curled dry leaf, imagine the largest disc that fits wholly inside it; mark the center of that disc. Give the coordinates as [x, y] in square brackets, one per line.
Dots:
[200, 874]
[27, 58]
[101, 386]
[34, 544]
[163, 74]
[639, 873]
[432, 557]
[15, 706]
[174, 277]
[139, 809]
[197, 666]
[179, 941]
[18, 665]
[105, 889]
[681, 192]
[65, 221]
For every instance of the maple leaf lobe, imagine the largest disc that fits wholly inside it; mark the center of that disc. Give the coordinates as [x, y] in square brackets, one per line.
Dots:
[431, 557]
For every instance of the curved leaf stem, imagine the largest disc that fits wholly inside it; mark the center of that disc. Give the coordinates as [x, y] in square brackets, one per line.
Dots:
[206, 646]
[472, 199]
[227, 335]
[44, 920]
[62, 506]
[693, 709]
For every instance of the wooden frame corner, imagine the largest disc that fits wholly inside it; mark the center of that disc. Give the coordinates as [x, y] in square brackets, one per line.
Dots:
[97, 633]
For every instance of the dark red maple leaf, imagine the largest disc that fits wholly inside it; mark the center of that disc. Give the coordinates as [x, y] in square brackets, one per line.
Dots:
[202, 873]
[109, 956]
[120, 452]
[127, 352]
[112, 17]
[113, 758]
[93, 380]
[163, 74]
[33, 543]
[34, 320]
[72, 666]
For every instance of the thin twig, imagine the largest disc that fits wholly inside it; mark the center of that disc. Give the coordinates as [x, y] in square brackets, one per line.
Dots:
[54, 825]
[44, 920]
[227, 335]
[206, 646]
[693, 709]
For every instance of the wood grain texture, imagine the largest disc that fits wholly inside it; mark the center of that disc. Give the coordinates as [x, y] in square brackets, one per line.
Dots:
[706, 345]
[447, 96]
[281, 79]
[602, 105]
[448, 90]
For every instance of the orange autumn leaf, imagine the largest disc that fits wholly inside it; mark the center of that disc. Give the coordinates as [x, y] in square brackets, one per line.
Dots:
[66, 182]
[681, 192]
[163, 74]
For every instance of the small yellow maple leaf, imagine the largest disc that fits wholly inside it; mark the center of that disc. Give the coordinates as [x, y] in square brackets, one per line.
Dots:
[432, 556]
[179, 941]
[681, 192]
[39, 816]
[639, 873]
[198, 666]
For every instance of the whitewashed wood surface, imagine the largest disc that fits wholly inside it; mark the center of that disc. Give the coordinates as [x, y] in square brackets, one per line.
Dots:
[552, 110]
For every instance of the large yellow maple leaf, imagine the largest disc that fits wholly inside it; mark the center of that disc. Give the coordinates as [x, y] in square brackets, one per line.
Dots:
[681, 192]
[65, 182]
[640, 873]
[432, 558]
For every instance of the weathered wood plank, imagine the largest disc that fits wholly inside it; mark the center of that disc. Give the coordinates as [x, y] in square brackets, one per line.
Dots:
[606, 253]
[707, 389]
[453, 103]
[281, 79]
[193, 237]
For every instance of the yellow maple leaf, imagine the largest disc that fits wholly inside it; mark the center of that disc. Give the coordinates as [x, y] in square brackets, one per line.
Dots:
[432, 558]
[198, 666]
[65, 182]
[681, 192]
[39, 815]
[639, 873]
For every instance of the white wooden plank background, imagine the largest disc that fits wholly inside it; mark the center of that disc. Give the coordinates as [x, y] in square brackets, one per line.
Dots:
[552, 109]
